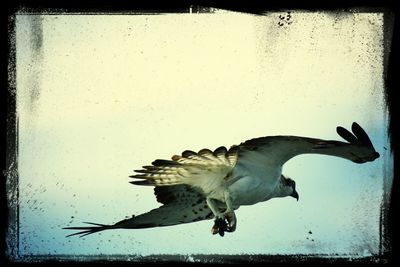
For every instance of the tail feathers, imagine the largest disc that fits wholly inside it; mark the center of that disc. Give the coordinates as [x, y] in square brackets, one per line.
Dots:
[87, 230]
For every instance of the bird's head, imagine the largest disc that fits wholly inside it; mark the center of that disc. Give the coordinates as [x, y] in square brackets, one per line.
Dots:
[288, 187]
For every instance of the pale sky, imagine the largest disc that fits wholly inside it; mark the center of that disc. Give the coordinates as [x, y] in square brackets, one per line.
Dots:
[99, 96]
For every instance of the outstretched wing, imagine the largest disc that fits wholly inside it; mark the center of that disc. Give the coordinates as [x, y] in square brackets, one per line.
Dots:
[204, 170]
[276, 150]
[182, 204]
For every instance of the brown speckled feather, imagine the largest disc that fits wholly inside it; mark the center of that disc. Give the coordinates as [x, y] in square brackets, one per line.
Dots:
[188, 168]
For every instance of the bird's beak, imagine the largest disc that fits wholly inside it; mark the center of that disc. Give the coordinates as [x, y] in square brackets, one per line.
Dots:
[295, 195]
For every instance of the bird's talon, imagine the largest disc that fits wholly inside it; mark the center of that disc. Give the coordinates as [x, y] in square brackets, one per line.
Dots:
[224, 224]
[214, 230]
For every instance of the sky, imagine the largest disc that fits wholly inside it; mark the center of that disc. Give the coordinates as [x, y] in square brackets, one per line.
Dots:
[101, 95]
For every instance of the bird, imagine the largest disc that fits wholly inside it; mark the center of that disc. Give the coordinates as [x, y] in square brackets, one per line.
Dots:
[207, 184]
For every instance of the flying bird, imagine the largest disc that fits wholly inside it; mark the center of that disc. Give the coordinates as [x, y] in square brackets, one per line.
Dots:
[213, 184]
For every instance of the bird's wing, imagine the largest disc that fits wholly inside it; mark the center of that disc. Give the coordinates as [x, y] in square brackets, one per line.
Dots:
[204, 170]
[182, 204]
[276, 150]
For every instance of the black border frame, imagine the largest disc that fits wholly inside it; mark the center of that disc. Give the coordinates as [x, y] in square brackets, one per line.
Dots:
[10, 121]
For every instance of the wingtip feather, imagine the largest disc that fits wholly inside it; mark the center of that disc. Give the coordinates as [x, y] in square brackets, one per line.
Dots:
[87, 230]
[143, 182]
[346, 135]
[138, 176]
[361, 135]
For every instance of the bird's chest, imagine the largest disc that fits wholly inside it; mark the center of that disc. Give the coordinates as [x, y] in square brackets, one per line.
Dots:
[253, 185]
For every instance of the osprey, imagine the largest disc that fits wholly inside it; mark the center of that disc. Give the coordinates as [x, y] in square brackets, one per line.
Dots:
[213, 184]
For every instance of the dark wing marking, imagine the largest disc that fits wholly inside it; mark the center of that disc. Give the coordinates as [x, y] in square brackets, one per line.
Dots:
[220, 151]
[188, 153]
[346, 135]
[175, 193]
[361, 135]
[162, 163]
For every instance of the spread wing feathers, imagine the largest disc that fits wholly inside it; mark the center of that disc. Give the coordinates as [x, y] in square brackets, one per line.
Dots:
[359, 137]
[279, 149]
[190, 168]
[181, 205]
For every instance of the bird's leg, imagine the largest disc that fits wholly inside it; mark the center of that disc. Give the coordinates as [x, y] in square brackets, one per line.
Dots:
[229, 214]
[224, 222]
[220, 224]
